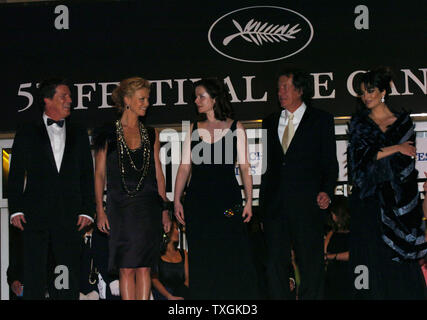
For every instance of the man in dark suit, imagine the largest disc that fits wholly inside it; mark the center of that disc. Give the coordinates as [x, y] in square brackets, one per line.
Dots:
[50, 189]
[15, 270]
[299, 181]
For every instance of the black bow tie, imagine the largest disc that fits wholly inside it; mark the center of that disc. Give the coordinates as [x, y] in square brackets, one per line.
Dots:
[51, 121]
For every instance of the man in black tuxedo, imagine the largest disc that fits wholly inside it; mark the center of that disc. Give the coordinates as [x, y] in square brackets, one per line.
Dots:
[15, 270]
[299, 181]
[51, 192]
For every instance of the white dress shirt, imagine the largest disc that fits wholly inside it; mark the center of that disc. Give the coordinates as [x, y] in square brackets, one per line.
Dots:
[284, 118]
[57, 142]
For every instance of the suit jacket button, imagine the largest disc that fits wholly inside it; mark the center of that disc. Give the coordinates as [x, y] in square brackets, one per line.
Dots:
[283, 163]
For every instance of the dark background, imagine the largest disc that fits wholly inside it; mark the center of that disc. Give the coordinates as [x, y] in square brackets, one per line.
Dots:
[160, 40]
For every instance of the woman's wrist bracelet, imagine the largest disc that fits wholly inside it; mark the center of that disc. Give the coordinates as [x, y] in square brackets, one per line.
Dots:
[166, 205]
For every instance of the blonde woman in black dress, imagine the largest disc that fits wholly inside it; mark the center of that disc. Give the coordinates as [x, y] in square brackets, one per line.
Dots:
[127, 157]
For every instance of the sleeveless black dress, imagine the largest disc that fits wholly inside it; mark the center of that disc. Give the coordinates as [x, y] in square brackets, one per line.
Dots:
[135, 222]
[220, 261]
[172, 276]
[338, 281]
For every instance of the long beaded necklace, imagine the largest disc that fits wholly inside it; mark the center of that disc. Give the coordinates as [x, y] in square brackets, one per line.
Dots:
[124, 151]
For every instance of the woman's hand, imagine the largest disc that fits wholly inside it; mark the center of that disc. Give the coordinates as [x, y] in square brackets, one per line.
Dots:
[175, 298]
[17, 288]
[102, 221]
[166, 221]
[247, 212]
[408, 149]
[331, 256]
[179, 212]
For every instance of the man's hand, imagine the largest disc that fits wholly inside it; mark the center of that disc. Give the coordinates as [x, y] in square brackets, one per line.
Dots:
[83, 222]
[16, 287]
[18, 220]
[323, 200]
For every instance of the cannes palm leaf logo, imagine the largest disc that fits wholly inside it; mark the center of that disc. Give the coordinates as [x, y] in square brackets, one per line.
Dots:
[259, 33]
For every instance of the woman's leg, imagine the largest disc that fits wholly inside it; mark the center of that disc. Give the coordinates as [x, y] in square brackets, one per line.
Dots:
[127, 283]
[143, 283]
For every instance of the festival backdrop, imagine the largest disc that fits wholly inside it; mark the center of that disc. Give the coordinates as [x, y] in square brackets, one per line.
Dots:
[95, 44]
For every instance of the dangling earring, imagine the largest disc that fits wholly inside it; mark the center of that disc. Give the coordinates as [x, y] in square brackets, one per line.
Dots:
[382, 99]
[165, 239]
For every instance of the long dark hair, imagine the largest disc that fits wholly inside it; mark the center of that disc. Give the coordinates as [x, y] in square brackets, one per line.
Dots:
[339, 207]
[166, 237]
[379, 77]
[216, 90]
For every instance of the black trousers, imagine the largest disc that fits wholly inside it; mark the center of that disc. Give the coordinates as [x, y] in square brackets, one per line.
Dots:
[59, 274]
[302, 231]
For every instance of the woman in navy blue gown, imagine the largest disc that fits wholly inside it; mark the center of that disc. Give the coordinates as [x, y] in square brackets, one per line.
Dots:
[386, 229]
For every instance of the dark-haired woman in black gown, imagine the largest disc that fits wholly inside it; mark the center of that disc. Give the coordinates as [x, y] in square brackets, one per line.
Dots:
[220, 260]
[170, 280]
[387, 231]
[338, 284]
[127, 157]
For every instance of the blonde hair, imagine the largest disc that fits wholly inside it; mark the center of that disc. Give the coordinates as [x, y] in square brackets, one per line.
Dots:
[127, 88]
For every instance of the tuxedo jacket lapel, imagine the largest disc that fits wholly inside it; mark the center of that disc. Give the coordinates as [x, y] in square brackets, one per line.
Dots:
[46, 146]
[69, 141]
[275, 135]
